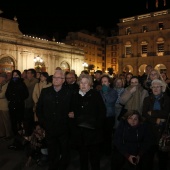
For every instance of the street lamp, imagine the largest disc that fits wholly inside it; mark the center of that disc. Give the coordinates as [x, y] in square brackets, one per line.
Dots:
[38, 63]
[85, 65]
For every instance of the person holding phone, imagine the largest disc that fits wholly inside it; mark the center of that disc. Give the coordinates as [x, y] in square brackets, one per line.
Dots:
[132, 141]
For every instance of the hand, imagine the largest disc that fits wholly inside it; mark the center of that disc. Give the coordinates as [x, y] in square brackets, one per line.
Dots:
[149, 113]
[133, 89]
[71, 115]
[132, 159]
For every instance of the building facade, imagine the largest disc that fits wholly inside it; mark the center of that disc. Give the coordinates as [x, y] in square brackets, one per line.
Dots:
[142, 40]
[18, 51]
[93, 48]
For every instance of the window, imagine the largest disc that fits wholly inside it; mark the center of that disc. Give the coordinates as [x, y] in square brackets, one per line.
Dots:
[160, 47]
[144, 49]
[128, 50]
[160, 26]
[144, 28]
[128, 31]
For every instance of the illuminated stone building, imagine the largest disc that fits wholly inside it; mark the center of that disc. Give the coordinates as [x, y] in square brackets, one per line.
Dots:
[143, 40]
[18, 51]
[93, 47]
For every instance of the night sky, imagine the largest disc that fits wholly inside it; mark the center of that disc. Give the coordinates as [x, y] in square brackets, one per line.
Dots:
[55, 18]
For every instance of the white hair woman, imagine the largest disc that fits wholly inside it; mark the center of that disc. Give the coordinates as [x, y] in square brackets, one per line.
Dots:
[89, 114]
[156, 108]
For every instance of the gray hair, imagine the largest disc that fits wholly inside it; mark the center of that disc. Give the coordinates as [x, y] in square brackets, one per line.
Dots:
[61, 72]
[87, 76]
[160, 82]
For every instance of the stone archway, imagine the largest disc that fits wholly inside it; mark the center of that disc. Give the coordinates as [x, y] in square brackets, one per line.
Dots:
[128, 69]
[161, 68]
[65, 66]
[6, 64]
[142, 69]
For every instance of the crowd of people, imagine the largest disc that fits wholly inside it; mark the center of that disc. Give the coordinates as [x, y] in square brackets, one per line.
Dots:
[122, 117]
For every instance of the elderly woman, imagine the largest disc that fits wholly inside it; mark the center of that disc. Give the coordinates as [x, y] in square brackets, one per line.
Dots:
[156, 108]
[89, 113]
[132, 141]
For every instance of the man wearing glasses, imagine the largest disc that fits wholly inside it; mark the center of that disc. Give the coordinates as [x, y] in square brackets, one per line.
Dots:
[52, 111]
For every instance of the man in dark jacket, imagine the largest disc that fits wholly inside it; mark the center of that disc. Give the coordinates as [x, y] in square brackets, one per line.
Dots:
[52, 111]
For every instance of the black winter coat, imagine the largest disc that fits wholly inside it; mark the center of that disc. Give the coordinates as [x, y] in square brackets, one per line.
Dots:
[53, 108]
[88, 109]
[16, 94]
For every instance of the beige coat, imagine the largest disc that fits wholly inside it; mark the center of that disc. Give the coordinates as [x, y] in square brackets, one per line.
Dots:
[37, 90]
[5, 123]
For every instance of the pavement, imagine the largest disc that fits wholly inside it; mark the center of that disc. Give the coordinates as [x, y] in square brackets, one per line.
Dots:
[16, 159]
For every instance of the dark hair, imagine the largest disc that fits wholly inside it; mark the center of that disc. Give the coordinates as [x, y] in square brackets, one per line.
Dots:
[17, 71]
[107, 76]
[33, 71]
[130, 113]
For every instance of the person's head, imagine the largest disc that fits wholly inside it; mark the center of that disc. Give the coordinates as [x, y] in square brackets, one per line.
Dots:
[105, 80]
[31, 73]
[118, 83]
[9, 76]
[84, 72]
[16, 74]
[3, 77]
[24, 74]
[155, 74]
[98, 74]
[158, 86]
[38, 74]
[70, 78]
[38, 128]
[164, 76]
[128, 77]
[134, 81]
[148, 69]
[58, 68]
[133, 117]
[44, 76]
[58, 78]
[85, 82]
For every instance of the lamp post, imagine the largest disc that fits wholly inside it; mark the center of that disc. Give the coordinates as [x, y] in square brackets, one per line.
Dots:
[85, 65]
[38, 63]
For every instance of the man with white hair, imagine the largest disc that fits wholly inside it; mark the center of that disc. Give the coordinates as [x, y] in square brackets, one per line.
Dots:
[52, 111]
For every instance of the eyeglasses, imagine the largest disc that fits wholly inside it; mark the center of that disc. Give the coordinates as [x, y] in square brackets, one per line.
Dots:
[57, 78]
[156, 87]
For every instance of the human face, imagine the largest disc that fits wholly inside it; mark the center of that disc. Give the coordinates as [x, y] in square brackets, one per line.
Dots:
[42, 78]
[84, 85]
[105, 81]
[154, 75]
[156, 89]
[58, 79]
[15, 74]
[30, 76]
[70, 78]
[119, 83]
[133, 120]
[134, 82]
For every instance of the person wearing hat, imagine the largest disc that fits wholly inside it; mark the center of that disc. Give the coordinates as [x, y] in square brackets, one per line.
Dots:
[5, 124]
[38, 87]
